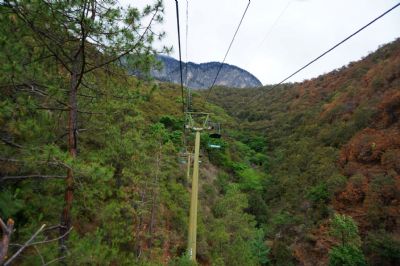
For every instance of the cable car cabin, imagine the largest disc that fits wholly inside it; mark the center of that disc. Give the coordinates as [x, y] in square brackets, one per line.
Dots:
[215, 129]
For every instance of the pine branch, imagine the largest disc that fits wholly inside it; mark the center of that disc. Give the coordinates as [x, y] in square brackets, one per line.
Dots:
[113, 59]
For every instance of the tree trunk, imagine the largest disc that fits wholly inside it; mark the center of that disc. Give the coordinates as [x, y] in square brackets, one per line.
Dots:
[72, 149]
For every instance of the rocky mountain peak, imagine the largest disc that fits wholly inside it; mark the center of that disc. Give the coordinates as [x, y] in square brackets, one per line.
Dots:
[201, 76]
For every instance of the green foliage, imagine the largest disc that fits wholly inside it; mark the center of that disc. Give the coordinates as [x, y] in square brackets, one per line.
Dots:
[346, 255]
[362, 117]
[250, 179]
[10, 204]
[383, 248]
[319, 194]
[345, 230]
[240, 253]
[260, 250]
[232, 232]
[183, 260]
[171, 122]
[281, 254]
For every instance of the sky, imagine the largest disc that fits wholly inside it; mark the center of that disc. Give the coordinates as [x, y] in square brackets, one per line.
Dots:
[277, 37]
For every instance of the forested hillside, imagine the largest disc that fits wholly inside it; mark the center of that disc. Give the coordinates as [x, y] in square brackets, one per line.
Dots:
[91, 165]
[331, 145]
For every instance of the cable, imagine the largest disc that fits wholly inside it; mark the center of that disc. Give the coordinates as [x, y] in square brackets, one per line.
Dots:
[189, 91]
[187, 31]
[329, 50]
[270, 30]
[180, 56]
[268, 33]
[226, 54]
[335, 46]
[275, 23]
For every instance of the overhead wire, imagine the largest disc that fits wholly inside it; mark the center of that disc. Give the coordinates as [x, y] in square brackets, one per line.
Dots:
[186, 40]
[275, 22]
[189, 92]
[270, 30]
[327, 51]
[181, 73]
[180, 54]
[227, 52]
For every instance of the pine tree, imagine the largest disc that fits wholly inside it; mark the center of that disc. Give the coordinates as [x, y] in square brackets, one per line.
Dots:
[83, 37]
[348, 253]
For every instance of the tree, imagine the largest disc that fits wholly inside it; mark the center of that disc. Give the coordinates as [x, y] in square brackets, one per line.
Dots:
[84, 36]
[347, 255]
[344, 229]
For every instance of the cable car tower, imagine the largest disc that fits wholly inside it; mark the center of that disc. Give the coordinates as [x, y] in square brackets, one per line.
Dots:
[197, 122]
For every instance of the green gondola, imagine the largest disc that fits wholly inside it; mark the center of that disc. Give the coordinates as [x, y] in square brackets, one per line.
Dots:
[214, 135]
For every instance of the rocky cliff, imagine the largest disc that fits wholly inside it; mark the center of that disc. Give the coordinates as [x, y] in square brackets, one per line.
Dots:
[201, 76]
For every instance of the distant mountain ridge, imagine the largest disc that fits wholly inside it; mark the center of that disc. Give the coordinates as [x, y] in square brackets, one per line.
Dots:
[201, 76]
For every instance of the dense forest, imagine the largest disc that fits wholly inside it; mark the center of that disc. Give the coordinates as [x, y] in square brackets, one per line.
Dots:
[91, 166]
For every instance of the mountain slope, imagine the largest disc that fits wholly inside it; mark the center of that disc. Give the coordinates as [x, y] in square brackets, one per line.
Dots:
[201, 76]
[332, 146]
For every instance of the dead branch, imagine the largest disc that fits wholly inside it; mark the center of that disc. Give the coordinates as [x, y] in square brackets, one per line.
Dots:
[3, 178]
[10, 143]
[55, 260]
[52, 240]
[7, 231]
[27, 243]
[40, 255]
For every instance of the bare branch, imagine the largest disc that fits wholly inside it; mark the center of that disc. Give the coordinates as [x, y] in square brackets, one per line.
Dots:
[55, 260]
[52, 240]
[10, 143]
[27, 243]
[40, 255]
[2, 178]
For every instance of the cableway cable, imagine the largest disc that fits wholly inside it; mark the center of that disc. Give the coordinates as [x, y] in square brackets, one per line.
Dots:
[335, 46]
[189, 92]
[180, 54]
[275, 23]
[329, 50]
[226, 54]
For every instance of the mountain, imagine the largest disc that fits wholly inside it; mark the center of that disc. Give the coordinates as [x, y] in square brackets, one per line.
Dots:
[201, 76]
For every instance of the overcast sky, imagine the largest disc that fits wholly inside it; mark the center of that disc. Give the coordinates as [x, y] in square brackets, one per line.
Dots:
[279, 36]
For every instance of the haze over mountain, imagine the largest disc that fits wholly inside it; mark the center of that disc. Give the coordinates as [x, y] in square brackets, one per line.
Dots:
[201, 76]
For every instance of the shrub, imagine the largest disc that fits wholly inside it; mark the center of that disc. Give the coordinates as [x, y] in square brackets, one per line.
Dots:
[385, 250]
[346, 255]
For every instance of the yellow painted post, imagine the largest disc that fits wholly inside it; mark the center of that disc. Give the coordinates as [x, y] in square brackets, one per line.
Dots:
[188, 166]
[193, 203]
